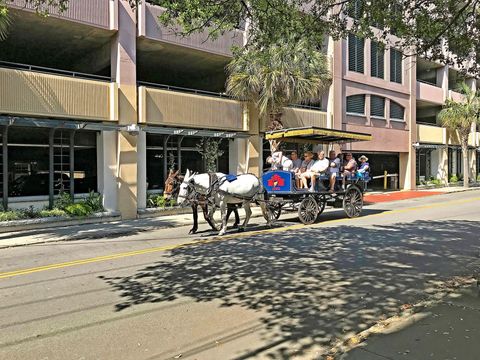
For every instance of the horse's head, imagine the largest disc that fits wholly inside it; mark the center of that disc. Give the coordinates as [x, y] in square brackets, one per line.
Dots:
[171, 184]
[185, 187]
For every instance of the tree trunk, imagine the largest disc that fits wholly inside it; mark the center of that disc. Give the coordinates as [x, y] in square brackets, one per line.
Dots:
[466, 168]
[275, 123]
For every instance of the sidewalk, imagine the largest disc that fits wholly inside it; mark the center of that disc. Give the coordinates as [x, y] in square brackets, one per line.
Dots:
[378, 196]
[448, 329]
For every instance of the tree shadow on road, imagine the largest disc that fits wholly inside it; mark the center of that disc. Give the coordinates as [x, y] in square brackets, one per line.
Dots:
[316, 284]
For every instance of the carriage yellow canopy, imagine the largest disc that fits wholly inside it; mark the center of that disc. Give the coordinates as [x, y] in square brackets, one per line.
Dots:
[317, 135]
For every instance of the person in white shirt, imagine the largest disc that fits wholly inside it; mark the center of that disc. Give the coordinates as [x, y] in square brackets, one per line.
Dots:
[335, 164]
[280, 162]
[319, 167]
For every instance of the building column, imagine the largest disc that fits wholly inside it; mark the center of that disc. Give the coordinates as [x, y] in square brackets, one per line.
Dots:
[255, 155]
[107, 169]
[237, 156]
[443, 166]
[124, 74]
[408, 161]
[142, 170]
[442, 80]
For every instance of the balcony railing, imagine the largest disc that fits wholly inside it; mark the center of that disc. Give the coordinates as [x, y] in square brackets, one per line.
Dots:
[430, 93]
[93, 12]
[37, 93]
[430, 134]
[151, 28]
[181, 107]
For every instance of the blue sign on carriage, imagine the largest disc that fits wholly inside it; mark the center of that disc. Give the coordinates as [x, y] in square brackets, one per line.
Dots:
[277, 181]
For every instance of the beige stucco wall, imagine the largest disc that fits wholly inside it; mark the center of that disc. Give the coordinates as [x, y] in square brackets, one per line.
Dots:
[38, 94]
[430, 134]
[165, 107]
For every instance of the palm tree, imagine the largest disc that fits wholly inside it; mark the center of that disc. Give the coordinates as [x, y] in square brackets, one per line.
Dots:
[5, 22]
[287, 72]
[459, 116]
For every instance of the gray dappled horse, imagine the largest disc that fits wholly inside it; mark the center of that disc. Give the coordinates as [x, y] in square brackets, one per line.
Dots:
[243, 190]
[171, 190]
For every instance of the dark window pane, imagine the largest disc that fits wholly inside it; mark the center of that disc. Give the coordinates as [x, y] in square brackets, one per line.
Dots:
[377, 106]
[86, 138]
[28, 170]
[85, 174]
[397, 111]
[356, 104]
[28, 135]
[395, 66]
[355, 9]
[377, 60]
[355, 53]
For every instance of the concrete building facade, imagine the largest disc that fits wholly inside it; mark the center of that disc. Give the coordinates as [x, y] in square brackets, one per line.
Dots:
[104, 98]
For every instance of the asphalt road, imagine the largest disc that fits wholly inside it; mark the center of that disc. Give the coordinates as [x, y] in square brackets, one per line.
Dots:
[282, 293]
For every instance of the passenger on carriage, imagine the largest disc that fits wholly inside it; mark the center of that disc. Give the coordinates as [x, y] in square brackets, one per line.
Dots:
[334, 169]
[297, 163]
[306, 166]
[349, 168]
[318, 168]
[364, 169]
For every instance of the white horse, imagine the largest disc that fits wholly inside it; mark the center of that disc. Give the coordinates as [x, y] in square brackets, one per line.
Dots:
[240, 191]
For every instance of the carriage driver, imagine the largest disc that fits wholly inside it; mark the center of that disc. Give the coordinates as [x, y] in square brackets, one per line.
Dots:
[280, 162]
[318, 168]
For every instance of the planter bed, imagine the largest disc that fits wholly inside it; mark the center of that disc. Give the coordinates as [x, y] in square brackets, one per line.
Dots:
[49, 222]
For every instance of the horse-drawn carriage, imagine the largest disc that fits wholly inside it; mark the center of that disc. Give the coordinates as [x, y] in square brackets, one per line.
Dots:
[275, 191]
[281, 193]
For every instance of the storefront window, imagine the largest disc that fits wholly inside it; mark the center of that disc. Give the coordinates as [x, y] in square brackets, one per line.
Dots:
[29, 161]
[190, 158]
[85, 167]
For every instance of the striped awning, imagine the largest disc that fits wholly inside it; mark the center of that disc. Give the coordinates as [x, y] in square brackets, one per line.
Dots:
[316, 135]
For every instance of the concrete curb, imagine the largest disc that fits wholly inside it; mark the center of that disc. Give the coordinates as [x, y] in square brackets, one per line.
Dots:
[46, 223]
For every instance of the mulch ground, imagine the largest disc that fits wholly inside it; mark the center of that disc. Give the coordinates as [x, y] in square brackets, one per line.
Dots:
[397, 195]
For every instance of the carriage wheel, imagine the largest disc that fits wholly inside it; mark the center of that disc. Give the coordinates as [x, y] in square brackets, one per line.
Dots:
[353, 202]
[273, 212]
[308, 210]
[321, 206]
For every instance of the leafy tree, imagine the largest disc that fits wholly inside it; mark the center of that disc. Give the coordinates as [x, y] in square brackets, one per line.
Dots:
[276, 76]
[41, 6]
[459, 116]
[210, 150]
[423, 27]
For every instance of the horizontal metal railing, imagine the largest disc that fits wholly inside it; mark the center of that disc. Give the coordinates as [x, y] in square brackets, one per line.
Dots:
[212, 93]
[47, 70]
[428, 82]
[184, 89]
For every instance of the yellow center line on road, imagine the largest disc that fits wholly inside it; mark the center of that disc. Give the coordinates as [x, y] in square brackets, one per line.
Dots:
[10, 274]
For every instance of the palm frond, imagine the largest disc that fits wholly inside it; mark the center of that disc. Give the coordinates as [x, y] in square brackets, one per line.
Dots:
[5, 22]
[282, 74]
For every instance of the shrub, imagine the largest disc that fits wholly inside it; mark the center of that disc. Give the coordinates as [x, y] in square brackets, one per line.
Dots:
[435, 182]
[51, 213]
[94, 201]
[12, 215]
[156, 200]
[79, 209]
[453, 179]
[478, 177]
[63, 201]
